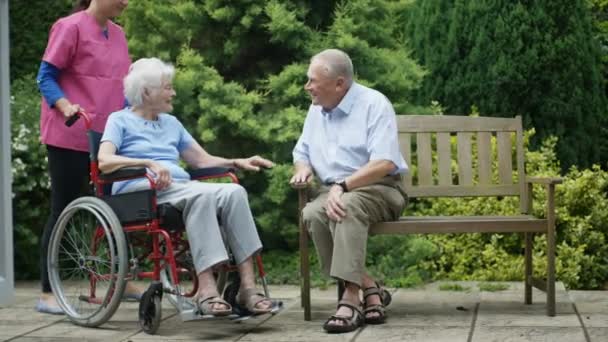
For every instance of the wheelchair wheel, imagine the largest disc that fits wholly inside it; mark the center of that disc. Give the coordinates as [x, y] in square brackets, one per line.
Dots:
[150, 310]
[87, 261]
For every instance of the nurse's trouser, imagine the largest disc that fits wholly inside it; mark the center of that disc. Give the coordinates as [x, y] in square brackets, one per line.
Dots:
[202, 205]
[342, 245]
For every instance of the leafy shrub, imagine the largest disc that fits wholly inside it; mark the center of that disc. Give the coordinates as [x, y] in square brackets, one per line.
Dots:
[30, 178]
[581, 207]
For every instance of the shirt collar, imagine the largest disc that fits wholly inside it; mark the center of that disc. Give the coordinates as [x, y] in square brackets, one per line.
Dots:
[347, 102]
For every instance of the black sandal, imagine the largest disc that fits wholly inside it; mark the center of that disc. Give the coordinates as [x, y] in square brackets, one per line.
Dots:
[380, 309]
[351, 323]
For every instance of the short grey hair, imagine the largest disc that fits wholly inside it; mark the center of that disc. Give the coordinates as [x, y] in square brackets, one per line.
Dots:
[336, 63]
[146, 73]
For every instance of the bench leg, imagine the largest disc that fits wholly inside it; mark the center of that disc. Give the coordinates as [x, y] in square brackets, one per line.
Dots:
[551, 251]
[528, 268]
[304, 263]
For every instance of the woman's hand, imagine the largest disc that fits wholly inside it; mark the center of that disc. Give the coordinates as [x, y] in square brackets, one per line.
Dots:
[67, 108]
[162, 176]
[252, 163]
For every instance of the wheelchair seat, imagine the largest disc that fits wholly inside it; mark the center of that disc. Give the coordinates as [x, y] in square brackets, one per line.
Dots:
[138, 206]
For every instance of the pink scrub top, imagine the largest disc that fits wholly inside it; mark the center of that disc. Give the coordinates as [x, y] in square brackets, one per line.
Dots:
[92, 71]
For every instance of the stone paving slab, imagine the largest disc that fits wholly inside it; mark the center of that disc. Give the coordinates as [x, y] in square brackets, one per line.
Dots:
[390, 333]
[598, 334]
[113, 331]
[528, 334]
[593, 309]
[420, 314]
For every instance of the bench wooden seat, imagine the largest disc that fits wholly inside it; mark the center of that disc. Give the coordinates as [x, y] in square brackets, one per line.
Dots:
[484, 163]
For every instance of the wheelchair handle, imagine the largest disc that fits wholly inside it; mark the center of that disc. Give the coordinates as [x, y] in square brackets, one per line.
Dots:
[72, 119]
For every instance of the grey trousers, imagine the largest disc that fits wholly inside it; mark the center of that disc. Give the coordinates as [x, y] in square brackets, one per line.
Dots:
[342, 246]
[202, 204]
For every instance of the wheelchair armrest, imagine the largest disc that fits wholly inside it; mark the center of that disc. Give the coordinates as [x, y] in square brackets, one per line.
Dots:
[123, 174]
[211, 172]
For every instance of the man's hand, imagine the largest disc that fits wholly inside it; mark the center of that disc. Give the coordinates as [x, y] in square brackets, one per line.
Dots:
[334, 207]
[162, 176]
[301, 176]
[253, 163]
[67, 108]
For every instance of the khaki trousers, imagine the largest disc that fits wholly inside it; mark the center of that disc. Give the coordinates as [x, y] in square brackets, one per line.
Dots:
[342, 246]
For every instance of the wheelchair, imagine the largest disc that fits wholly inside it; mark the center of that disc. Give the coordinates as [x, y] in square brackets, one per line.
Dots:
[91, 254]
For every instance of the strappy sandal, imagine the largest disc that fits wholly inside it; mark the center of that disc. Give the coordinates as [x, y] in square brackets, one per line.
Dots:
[205, 306]
[380, 309]
[349, 324]
[247, 298]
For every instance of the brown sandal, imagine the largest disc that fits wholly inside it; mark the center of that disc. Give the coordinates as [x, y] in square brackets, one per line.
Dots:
[247, 298]
[205, 306]
[351, 323]
[380, 309]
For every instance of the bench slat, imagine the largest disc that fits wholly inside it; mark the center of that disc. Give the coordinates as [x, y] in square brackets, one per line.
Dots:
[454, 123]
[462, 191]
[465, 172]
[484, 157]
[425, 165]
[461, 225]
[405, 144]
[444, 156]
[505, 164]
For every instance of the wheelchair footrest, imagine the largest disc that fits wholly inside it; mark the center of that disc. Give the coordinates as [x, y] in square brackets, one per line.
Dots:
[238, 316]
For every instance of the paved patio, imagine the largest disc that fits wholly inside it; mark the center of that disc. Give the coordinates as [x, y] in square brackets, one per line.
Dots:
[421, 314]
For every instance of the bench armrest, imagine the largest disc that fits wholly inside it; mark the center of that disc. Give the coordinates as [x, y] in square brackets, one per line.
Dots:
[299, 186]
[213, 172]
[545, 180]
[123, 174]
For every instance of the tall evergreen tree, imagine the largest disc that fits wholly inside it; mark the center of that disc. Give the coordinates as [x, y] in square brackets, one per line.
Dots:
[534, 58]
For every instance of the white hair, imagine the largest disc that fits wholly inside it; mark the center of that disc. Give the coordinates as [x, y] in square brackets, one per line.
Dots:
[146, 73]
[336, 63]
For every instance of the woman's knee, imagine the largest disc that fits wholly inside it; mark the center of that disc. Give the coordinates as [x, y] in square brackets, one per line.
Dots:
[235, 191]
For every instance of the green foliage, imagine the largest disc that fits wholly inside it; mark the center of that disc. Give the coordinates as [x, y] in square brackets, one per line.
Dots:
[492, 287]
[454, 287]
[30, 23]
[582, 253]
[241, 71]
[30, 179]
[538, 59]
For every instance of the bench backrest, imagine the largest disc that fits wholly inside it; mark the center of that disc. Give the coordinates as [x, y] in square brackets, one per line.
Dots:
[482, 164]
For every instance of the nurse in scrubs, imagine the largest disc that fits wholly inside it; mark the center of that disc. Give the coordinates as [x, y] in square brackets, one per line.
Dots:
[83, 67]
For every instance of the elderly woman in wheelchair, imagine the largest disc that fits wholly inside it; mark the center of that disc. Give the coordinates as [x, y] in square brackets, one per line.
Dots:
[139, 153]
[144, 135]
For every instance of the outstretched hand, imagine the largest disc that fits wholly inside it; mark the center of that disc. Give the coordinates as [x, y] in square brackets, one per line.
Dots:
[301, 176]
[253, 163]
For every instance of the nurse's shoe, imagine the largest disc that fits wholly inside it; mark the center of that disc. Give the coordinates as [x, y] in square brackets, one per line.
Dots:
[48, 306]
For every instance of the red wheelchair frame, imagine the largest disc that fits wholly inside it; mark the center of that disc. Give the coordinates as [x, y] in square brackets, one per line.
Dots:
[174, 243]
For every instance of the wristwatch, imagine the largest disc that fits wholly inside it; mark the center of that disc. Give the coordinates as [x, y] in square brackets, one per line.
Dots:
[342, 184]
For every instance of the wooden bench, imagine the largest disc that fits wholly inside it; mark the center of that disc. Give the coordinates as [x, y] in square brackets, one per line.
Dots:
[419, 137]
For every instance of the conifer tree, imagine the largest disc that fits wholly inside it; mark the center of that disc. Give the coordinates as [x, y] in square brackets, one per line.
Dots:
[537, 59]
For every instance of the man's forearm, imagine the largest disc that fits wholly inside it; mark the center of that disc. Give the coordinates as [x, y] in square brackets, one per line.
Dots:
[371, 173]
